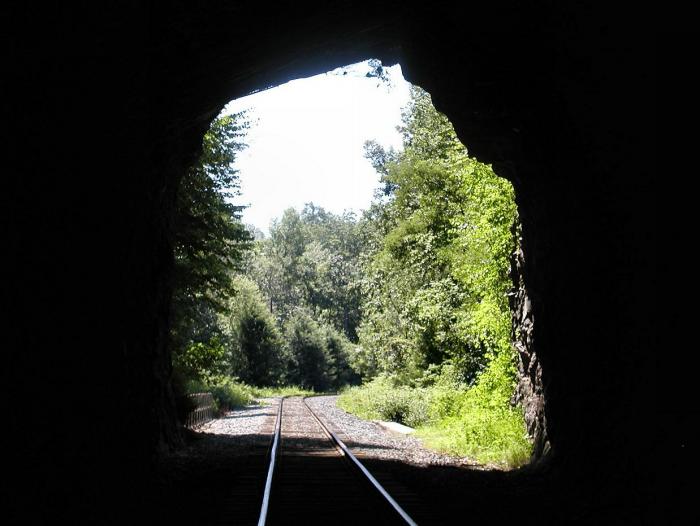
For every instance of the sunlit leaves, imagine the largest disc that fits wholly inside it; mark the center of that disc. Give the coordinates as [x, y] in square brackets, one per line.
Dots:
[436, 315]
[437, 276]
[209, 238]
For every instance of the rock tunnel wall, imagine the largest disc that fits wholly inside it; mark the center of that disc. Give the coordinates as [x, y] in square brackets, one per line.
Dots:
[107, 109]
[529, 393]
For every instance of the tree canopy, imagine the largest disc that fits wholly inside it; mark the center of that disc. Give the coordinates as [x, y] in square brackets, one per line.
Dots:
[411, 296]
[210, 239]
[436, 275]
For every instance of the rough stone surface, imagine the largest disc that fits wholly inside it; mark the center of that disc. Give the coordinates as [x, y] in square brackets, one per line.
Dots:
[105, 109]
[395, 427]
[529, 394]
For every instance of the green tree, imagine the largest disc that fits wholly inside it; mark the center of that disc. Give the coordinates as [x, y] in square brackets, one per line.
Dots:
[307, 352]
[202, 360]
[338, 352]
[311, 259]
[209, 238]
[436, 266]
[254, 339]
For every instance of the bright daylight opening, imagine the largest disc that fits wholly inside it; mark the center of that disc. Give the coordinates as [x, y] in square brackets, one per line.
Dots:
[336, 237]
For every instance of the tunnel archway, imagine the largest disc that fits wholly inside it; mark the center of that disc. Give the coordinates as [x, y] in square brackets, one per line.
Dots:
[549, 96]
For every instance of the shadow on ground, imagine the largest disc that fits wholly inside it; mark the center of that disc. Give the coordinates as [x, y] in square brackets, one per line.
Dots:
[218, 479]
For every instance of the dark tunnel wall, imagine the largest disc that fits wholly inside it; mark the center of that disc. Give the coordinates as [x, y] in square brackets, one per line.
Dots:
[107, 109]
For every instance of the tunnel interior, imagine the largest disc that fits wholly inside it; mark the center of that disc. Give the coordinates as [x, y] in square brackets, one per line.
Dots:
[549, 95]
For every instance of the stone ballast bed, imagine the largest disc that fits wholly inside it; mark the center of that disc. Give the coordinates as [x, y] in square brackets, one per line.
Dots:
[250, 427]
[369, 439]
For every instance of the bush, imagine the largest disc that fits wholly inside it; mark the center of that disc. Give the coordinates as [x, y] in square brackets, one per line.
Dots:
[227, 392]
[490, 435]
[382, 400]
[288, 390]
[201, 359]
[475, 421]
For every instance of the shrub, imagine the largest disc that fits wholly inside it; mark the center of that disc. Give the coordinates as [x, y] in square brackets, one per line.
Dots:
[227, 392]
[382, 400]
[201, 359]
[476, 421]
[288, 390]
[489, 435]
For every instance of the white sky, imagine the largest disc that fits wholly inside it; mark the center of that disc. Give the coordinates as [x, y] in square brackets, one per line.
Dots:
[306, 143]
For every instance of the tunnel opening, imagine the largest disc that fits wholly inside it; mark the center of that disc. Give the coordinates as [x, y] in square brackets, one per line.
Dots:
[313, 305]
[549, 95]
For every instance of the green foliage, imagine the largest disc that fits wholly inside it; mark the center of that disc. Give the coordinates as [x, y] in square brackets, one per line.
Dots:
[226, 391]
[383, 399]
[254, 339]
[311, 260]
[307, 275]
[437, 268]
[338, 353]
[435, 310]
[307, 352]
[477, 422]
[223, 323]
[287, 390]
[229, 394]
[202, 359]
[209, 243]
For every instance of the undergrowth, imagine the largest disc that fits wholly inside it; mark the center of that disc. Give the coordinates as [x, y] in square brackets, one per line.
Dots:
[288, 390]
[381, 399]
[230, 393]
[475, 421]
[227, 392]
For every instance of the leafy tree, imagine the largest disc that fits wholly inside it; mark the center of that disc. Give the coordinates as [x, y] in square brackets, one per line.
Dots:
[340, 370]
[202, 359]
[307, 352]
[209, 237]
[255, 341]
[334, 254]
[311, 259]
[435, 329]
[283, 266]
[436, 266]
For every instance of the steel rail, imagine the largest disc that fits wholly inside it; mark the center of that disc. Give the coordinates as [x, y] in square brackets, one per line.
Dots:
[348, 454]
[274, 452]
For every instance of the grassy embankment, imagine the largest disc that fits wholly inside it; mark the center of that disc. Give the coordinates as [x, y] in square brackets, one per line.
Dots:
[476, 422]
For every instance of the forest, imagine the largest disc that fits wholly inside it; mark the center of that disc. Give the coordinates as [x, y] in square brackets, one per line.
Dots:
[402, 309]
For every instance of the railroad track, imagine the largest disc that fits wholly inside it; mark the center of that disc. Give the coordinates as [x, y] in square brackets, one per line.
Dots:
[313, 478]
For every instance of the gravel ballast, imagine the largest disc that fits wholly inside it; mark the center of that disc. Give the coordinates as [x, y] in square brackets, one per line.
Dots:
[248, 420]
[368, 439]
